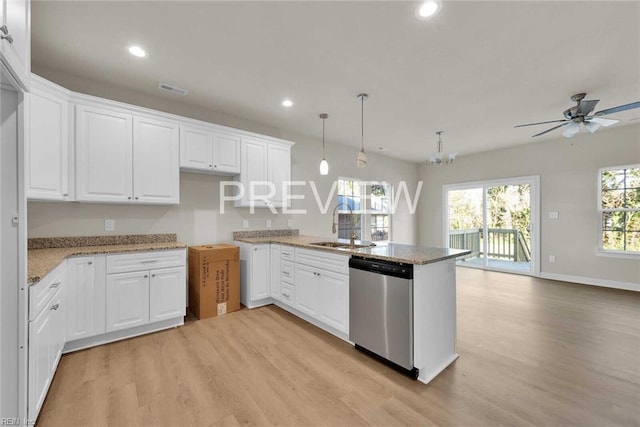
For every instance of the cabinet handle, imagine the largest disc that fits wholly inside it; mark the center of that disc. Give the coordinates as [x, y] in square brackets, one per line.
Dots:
[129, 197]
[90, 262]
[153, 275]
[285, 273]
[146, 275]
[285, 295]
[215, 166]
[210, 166]
[65, 195]
[6, 36]
[4, 29]
[137, 197]
[149, 261]
[54, 306]
[55, 285]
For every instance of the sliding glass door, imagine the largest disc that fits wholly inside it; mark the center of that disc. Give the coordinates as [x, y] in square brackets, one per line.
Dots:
[494, 220]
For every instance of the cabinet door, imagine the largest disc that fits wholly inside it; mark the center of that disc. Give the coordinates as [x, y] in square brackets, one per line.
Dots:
[196, 148]
[276, 286]
[226, 153]
[253, 175]
[333, 300]
[47, 147]
[58, 328]
[307, 290]
[167, 294]
[80, 298]
[127, 300]
[103, 155]
[260, 274]
[17, 53]
[156, 162]
[279, 170]
[41, 350]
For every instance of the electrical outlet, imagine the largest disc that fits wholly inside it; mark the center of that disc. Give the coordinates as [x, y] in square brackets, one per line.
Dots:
[553, 215]
[109, 225]
[552, 258]
[268, 223]
[245, 223]
[289, 223]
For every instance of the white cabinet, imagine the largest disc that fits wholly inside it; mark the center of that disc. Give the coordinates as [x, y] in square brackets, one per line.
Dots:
[15, 42]
[307, 283]
[264, 167]
[104, 155]
[47, 331]
[127, 300]
[255, 275]
[121, 158]
[156, 168]
[276, 283]
[209, 150]
[47, 144]
[85, 298]
[333, 300]
[167, 297]
[145, 287]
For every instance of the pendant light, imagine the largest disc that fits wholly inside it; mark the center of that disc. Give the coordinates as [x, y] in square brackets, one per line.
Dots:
[324, 165]
[362, 156]
[440, 158]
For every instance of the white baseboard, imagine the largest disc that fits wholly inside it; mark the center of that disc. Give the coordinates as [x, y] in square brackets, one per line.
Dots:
[628, 286]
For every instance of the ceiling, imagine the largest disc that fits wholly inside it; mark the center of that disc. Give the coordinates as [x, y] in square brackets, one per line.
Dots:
[474, 70]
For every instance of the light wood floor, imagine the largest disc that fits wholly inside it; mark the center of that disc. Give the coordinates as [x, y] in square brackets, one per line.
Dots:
[532, 352]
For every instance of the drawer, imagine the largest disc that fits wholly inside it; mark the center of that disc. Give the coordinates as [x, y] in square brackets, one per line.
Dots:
[287, 253]
[287, 272]
[337, 263]
[139, 261]
[41, 293]
[287, 294]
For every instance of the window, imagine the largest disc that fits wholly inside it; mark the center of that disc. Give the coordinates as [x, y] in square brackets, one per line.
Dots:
[619, 208]
[361, 203]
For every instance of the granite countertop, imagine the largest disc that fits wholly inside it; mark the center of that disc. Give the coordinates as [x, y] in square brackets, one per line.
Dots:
[42, 260]
[410, 254]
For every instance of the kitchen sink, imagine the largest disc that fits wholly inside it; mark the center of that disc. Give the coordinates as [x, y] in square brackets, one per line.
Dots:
[341, 245]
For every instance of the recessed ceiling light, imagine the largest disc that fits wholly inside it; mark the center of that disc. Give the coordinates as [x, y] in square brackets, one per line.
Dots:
[287, 103]
[428, 9]
[137, 51]
[383, 149]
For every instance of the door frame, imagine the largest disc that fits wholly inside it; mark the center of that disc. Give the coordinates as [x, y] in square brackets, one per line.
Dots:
[534, 181]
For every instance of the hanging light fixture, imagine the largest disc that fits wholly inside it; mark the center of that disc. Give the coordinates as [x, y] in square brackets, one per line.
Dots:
[324, 165]
[441, 158]
[362, 156]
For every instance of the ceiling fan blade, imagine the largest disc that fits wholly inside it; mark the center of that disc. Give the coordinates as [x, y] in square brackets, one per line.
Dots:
[592, 126]
[571, 130]
[586, 106]
[549, 130]
[541, 123]
[601, 121]
[619, 108]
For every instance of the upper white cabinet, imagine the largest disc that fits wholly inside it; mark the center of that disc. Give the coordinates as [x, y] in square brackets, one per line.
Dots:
[47, 145]
[265, 167]
[15, 39]
[121, 158]
[104, 155]
[156, 168]
[209, 151]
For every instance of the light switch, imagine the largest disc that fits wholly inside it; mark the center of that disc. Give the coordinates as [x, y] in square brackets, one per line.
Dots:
[268, 223]
[553, 215]
[289, 223]
[245, 223]
[552, 258]
[109, 225]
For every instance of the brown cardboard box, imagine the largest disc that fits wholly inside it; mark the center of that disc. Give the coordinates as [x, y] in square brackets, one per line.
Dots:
[214, 280]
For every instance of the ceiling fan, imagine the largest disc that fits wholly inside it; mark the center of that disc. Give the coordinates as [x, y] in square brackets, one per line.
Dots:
[579, 114]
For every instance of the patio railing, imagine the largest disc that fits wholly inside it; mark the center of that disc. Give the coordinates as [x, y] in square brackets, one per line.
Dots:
[502, 243]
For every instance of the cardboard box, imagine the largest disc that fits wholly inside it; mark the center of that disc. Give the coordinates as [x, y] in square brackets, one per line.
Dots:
[214, 280]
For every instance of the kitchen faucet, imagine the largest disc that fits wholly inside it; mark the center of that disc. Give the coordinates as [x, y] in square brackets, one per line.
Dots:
[353, 236]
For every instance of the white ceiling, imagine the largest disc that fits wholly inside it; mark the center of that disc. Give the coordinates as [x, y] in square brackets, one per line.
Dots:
[475, 70]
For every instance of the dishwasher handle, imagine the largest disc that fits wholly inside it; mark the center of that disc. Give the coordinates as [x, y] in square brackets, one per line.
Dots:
[386, 268]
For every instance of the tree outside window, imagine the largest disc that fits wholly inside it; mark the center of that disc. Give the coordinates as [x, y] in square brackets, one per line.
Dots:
[620, 209]
[370, 203]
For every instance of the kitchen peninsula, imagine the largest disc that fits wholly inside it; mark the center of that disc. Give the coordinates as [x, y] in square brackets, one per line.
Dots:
[311, 279]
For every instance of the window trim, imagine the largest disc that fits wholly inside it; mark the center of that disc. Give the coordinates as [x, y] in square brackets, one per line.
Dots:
[600, 250]
[365, 207]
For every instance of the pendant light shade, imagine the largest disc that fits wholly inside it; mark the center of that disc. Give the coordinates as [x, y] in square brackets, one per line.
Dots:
[440, 158]
[324, 165]
[362, 155]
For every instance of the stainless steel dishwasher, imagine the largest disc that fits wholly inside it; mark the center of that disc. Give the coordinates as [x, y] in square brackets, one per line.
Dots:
[381, 311]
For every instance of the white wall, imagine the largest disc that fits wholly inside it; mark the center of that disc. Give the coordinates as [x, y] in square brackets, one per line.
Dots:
[568, 170]
[197, 220]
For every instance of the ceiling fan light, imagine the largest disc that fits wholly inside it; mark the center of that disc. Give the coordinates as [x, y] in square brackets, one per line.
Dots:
[452, 157]
[592, 126]
[571, 130]
[324, 167]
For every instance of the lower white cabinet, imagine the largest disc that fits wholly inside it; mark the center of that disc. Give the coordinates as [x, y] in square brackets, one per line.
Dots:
[85, 297]
[333, 300]
[127, 300]
[142, 297]
[276, 284]
[255, 274]
[47, 333]
[307, 289]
